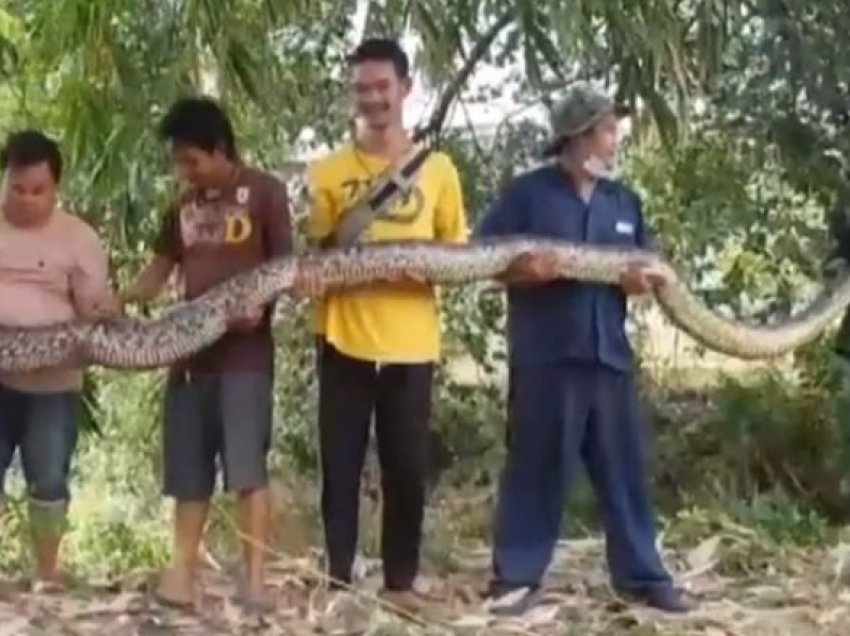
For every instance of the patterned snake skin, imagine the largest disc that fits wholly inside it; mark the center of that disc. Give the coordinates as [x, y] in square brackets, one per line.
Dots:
[189, 326]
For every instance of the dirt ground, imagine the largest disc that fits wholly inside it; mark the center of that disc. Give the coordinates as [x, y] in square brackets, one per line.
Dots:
[803, 595]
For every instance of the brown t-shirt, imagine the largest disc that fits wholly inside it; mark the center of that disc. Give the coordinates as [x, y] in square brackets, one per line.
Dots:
[213, 235]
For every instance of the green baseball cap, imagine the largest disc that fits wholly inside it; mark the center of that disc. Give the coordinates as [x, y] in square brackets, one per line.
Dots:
[577, 112]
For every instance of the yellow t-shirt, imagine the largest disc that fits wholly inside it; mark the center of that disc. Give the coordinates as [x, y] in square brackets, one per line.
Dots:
[387, 322]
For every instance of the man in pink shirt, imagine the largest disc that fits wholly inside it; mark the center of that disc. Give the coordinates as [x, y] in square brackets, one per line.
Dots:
[52, 269]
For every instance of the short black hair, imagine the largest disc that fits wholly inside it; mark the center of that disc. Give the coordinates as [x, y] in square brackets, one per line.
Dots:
[382, 50]
[24, 148]
[199, 122]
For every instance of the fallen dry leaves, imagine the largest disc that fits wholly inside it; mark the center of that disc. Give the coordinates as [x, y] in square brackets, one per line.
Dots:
[578, 601]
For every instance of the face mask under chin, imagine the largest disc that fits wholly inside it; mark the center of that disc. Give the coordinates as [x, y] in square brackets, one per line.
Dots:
[600, 169]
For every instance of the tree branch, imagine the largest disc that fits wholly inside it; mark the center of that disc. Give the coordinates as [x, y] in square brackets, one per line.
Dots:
[435, 123]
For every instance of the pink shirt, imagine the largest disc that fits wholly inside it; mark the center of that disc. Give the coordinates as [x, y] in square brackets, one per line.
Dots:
[47, 274]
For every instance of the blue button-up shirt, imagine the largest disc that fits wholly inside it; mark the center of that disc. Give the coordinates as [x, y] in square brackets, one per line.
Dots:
[567, 320]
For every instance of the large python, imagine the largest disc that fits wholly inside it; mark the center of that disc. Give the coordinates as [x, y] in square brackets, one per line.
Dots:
[192, 325]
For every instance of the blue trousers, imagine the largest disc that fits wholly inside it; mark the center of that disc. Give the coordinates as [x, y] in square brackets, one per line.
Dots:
[558, 414]
[44, 427]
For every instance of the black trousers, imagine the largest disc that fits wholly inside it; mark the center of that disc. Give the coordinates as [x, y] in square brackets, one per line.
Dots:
[399, 395]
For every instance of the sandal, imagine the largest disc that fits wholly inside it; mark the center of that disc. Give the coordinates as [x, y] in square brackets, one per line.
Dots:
[60, 584]
[172, 592]
[260, 602]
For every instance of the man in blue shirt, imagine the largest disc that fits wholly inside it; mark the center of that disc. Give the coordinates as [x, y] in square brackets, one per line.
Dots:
[572, 389]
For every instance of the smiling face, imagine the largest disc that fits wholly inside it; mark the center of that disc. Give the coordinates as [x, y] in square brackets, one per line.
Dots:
[29, 194]
[378, 93]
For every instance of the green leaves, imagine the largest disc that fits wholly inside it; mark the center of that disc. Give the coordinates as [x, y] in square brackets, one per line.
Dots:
[785, 83]
[743, 237]
[100, 74]
[10, 32]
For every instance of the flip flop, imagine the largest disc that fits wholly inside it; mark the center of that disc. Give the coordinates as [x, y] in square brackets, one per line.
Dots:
[62, 584]
[167, 592]
[254, 602]
[48, 587]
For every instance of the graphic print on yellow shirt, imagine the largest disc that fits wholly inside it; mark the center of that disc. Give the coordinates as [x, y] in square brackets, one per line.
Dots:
[386, 322]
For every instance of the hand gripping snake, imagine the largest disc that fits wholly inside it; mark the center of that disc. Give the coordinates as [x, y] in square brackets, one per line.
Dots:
[189, 326]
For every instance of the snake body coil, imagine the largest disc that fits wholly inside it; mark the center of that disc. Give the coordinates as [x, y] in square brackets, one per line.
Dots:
[190, 326]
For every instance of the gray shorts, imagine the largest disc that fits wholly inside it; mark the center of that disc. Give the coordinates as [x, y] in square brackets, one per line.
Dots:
[226, 416]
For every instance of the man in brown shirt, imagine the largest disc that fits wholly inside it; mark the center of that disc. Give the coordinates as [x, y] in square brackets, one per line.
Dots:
[231, 218]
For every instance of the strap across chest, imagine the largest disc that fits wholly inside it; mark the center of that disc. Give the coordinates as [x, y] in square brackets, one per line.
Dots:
[392, 185]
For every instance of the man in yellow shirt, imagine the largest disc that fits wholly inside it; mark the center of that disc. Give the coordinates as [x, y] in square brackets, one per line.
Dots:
[379, 344]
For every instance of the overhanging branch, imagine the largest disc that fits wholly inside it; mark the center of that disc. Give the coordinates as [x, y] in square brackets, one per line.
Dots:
[435, 123]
